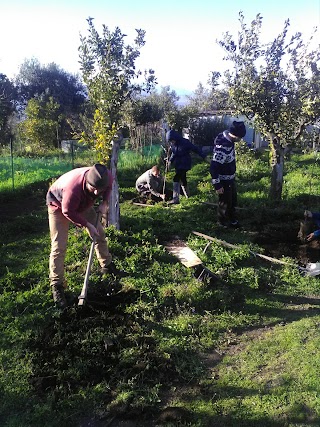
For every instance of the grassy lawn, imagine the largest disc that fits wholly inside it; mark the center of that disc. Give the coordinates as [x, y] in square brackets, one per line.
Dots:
[160, 346]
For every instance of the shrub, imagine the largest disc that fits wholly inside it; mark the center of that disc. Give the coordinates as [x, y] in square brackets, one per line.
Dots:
[203, 130]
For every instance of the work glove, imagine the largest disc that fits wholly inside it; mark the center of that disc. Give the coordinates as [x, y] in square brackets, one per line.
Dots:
[220, 190]
[310, 237]
[92, 231]
[307, 214]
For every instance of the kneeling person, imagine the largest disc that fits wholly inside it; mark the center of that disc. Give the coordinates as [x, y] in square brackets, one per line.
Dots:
[312, 220]
[150, 184]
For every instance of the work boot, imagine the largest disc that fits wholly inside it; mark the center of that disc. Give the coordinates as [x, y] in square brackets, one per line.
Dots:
[222, 223]
[235, 224]
[144, 200]
[112, 269]
[176, 194]
[58, 296]
[173, 202]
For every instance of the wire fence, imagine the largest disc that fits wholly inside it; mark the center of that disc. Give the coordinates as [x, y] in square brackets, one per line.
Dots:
[19, 171]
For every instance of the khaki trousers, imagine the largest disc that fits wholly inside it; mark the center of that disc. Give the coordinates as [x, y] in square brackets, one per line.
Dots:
[59, 227]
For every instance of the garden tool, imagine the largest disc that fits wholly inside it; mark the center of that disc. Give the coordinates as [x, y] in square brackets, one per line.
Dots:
[185, 191]
[82, 297]
[166, 170]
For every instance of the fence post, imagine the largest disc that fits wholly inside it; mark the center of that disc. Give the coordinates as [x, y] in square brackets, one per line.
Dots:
[12, 170]
[72, 154]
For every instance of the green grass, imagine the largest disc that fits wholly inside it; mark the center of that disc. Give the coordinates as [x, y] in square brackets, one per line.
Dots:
[133, 160]
[18, 172]
[239, 351]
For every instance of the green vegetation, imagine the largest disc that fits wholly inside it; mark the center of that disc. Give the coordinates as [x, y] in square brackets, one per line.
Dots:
[28, 170]
[274, 84]
[159, 344]
[109, 72]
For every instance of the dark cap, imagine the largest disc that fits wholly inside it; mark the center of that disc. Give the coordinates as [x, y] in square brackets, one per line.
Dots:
[97, 176]
[238, 129]
[173, 135]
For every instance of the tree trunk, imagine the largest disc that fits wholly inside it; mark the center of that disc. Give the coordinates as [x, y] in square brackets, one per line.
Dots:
[114, 205]
[277, 166]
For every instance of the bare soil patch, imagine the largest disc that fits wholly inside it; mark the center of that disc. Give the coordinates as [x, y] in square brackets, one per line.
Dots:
[283, 241]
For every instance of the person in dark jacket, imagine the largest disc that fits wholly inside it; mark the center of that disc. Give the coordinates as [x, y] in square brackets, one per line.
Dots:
[313, 219]
[223, 172]
[180, 156]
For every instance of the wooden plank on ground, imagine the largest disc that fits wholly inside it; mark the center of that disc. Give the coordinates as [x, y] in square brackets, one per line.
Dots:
[262, 208]
[230, 245]
[145, 205]
[216, 204]
[180, 250]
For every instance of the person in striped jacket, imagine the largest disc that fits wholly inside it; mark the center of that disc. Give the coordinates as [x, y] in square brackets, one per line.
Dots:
[223, 172]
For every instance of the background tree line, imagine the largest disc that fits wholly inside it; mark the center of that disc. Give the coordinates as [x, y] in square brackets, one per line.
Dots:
[275, 85]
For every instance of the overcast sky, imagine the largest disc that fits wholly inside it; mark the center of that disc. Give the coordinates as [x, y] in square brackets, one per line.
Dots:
[180, 35]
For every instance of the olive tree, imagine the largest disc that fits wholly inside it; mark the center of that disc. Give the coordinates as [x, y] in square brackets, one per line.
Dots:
[209, 99]
[108, 70]
[175, 116]
[50, 81]
[39, 130]
[7, 107]
[219, 97]
[200, 99]
[276, 85]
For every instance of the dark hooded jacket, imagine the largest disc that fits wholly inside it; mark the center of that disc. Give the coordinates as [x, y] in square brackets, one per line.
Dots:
[180, 150]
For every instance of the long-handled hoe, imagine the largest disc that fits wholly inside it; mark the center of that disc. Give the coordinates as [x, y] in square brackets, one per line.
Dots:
[82, 297]
[166, 169]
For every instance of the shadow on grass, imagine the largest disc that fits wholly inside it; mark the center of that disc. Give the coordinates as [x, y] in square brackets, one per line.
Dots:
[70, 352]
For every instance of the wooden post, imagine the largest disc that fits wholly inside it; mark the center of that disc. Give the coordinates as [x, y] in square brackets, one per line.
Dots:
[12, 168]
[114, 204]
